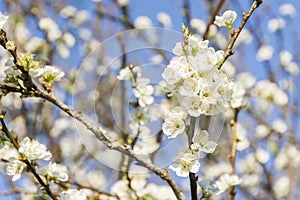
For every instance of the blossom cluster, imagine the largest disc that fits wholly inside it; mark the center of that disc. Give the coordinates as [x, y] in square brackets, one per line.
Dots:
[188, 162]
[33, 150]
[143, 91]
[46, 74]
[192, 76]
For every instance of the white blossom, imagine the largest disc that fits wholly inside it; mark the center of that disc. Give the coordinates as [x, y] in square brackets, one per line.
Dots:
[36, 72]
[201, 142]
[241, 134]
[287, 9]
[264, 53]
[34, 44]
[262, 131]
[142, 22]
[68, 11]
[15, 168]
[292, 68]
[69, 39]
[226, 180]
[270, 92]
[226, 19]
[143, 92]
[53, 171]
[215, 171]
[164, 19]
[190, 87]
[63, 50]
[129, 74]
[285, 57]
[279, 126]
[173, 126]
[262, 155]
[192, 76]
[121, 189]
[186, 163]
[286, 60]
[276, 24]
[80, 17]
[73, 194]
[198, 24]
[123, 3]
[51, 71]
[49, 25]
[33, 150]
[208, 189]
[281, 186]
[249, 165]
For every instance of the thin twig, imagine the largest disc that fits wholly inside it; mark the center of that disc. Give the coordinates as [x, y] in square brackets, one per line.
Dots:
[236, 33]
[232, 155]
[212, 18]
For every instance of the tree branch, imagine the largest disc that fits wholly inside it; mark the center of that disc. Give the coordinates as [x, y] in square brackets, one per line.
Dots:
[234, 36]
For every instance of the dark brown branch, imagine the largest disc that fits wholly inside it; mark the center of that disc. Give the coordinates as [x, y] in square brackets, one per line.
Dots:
[192, 176]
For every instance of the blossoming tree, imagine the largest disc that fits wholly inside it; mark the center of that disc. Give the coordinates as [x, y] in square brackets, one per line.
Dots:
[96, 104]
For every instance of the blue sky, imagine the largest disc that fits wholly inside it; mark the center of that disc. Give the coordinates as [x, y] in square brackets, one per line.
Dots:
[199, 10]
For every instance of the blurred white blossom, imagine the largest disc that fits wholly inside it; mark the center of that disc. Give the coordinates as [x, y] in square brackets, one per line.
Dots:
[287, 9]
[68, 11]
[142, 22]
[281, 186]
[279, 125]
[164, 19]
[73, 194]
[264, 53]
[50, 27]
[262, 155]
[262, 130]
[198, 24]
[270, 92]
[123, 3]
[208, 189]
[226, 180]
[69, 39]
[241, 135]
[276, 24]
[3, 19]
[128, 74]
